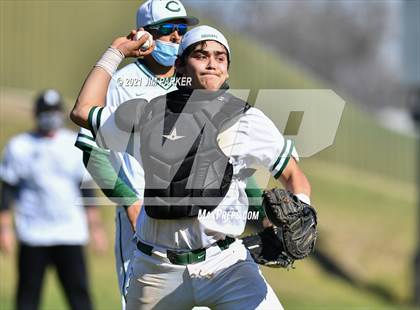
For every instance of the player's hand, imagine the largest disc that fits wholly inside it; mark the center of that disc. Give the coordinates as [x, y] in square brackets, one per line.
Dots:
[266, 222]
[98, 239]
[131, 47]
[133, 212]
[7, 241]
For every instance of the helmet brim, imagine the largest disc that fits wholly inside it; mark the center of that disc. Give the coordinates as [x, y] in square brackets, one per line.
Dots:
[189, 20]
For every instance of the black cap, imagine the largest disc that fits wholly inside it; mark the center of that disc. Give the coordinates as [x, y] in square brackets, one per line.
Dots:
[49, 100]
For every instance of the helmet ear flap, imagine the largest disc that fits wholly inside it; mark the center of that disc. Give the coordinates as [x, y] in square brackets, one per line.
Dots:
[48, 100]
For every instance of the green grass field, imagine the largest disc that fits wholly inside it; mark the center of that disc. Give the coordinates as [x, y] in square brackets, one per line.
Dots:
[363, 185]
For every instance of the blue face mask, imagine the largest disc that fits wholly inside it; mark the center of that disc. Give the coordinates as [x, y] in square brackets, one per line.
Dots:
[50, 121]
[165, 53]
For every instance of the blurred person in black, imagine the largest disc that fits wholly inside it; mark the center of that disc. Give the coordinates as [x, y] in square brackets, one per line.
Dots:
[42, 171]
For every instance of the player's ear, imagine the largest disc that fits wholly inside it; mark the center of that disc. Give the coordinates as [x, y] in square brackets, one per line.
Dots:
[179, 68]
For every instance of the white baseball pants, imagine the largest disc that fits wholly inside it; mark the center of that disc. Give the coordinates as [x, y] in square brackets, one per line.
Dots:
[227, 279]
[123, 250]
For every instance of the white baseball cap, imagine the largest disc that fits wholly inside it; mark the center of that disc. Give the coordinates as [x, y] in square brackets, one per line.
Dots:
[202, 33]
[154, 12]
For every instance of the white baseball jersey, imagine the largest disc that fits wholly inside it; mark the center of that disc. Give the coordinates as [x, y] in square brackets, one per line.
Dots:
[253, 140]
[47, 172]
[130, 82]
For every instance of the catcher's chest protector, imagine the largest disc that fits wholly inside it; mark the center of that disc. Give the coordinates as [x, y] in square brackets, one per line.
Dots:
[185, 170]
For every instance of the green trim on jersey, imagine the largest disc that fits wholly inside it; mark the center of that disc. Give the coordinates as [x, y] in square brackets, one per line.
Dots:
[86, 142]
[162, 82]
[84, 146]
[94, 119]
[87, 145]
[82, 140]
[81, 135]
[99, 136]
[283, 159]
[98, 119]
[279, 158]
[278, 174]
[90, 117]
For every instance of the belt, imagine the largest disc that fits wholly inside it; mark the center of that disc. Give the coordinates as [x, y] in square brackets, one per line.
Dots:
[185, 258]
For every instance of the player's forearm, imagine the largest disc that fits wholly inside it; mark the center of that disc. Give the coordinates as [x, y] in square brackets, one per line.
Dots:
[295, 180]
[6, 223]
[298, 183]
[93, 93]
[100, 168]
[93, 218]
[6, 232]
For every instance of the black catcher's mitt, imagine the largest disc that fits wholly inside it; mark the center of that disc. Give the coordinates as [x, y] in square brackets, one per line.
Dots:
[293, 234]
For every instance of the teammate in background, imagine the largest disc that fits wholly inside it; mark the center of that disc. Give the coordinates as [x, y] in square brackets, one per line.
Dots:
[119, 175]
[183, 260]
[42, 172]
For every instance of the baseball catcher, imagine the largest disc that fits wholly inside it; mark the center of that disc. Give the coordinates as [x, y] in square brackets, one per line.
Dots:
[292, 235]
[186, 149]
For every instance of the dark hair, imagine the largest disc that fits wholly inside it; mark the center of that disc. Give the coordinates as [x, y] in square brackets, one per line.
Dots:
[44, 104]
[191, 48]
